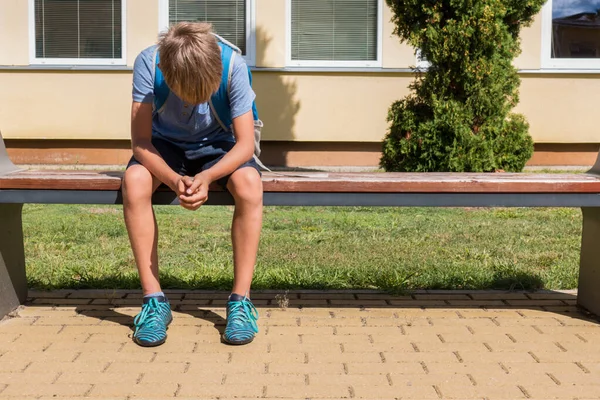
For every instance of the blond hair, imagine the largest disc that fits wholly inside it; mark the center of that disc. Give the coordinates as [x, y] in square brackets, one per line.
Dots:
[190, 60]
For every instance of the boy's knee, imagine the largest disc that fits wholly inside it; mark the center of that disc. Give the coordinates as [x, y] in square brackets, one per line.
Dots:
[245, 185]
[137, 182]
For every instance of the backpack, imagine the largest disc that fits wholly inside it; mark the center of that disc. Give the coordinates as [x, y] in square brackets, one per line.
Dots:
[219, 102]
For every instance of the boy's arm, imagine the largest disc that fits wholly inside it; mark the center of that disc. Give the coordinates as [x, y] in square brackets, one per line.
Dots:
[145, 152]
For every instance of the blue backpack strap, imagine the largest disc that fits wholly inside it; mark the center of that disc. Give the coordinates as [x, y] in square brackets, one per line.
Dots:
[219, 102]
[254, 110]
[161, 90]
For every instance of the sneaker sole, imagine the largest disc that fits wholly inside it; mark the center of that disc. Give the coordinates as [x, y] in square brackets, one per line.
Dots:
[154, 344]
[236, 343]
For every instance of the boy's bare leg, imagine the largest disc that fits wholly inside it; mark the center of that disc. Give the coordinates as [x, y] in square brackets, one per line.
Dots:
[138, 186]
[246, 187]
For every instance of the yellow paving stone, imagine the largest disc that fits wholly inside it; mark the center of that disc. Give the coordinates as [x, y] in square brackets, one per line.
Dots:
[420, 357]
[239, 367]
[429, 347]
[115, 357]
[208, 377]
[332, 390]
[480, 356]
[172, 345]
[563, 392]
[276, 347]
[464, 368]
[323, 322]
[302, 330]
[475, 323]
[568, 368]
[429, 379]
[45, 389]
[105, 378]
[367, 330]
[489, 313]
[395, 392]
[161, 390]
[510, 392]
[467, 337]
[152, 367]
[14, 365]
[504, 321]
[316, 339]
[569, 356]
[323, 379]
[26, 345]
[487, 378]
[577, 378]
[402, 347]
[27, 378]
[108, 347]
[29, 312]
[222, 357]
[19, 323]
[283, 367]
[265, 379]
[409, 368]
[55, 367]
[48, 357]
[217, 391]
[344, 357]
[88, 398]
[271, 357]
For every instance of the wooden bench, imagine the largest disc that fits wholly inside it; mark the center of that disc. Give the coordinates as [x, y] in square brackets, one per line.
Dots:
[18, 187]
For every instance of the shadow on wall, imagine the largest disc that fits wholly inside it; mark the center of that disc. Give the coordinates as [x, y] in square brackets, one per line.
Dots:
[276, 102]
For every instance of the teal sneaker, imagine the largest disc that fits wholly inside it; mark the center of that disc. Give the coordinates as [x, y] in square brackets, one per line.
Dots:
[241, 321]
[151, 324]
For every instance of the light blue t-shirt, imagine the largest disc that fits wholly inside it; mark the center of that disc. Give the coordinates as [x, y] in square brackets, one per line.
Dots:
[190, 126]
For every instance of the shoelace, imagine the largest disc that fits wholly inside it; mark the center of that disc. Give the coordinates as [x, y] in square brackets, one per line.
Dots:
[149, 315]
[243, 311]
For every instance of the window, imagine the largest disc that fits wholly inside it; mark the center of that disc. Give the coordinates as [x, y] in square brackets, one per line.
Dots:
[339, 33]
[571, 34]
[77, 31]
[231, 19]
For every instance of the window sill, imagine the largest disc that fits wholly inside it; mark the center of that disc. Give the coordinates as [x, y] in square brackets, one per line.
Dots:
[106, 68]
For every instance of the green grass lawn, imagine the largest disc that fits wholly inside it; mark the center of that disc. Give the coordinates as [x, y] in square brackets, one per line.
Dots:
[392, 249]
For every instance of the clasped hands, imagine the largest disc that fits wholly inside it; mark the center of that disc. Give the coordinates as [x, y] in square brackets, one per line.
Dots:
[192, 191]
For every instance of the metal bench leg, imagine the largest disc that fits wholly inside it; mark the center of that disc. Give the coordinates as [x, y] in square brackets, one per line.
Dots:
[13, 283]
[588, 295]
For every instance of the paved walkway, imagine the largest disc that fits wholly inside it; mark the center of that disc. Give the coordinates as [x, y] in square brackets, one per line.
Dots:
[315, 345]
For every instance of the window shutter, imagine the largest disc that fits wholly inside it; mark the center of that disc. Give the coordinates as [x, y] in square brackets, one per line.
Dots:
[78, 29]
[227, 16]
[334, 30]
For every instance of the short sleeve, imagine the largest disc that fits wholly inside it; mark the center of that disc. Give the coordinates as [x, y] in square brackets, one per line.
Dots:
[241, 95]
[143, 80]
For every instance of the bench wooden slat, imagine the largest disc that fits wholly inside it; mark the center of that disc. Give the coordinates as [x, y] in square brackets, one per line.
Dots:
[307, 182]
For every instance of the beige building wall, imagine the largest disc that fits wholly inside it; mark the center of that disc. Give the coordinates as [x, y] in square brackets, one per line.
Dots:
[296, 105]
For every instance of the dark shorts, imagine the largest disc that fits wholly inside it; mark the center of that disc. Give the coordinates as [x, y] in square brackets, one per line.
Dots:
[192, 162]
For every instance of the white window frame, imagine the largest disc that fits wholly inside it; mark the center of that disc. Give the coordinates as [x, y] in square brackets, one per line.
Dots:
[560, 63]
[250, 57]
[34, 60]
[421, 64]
[337, 64]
